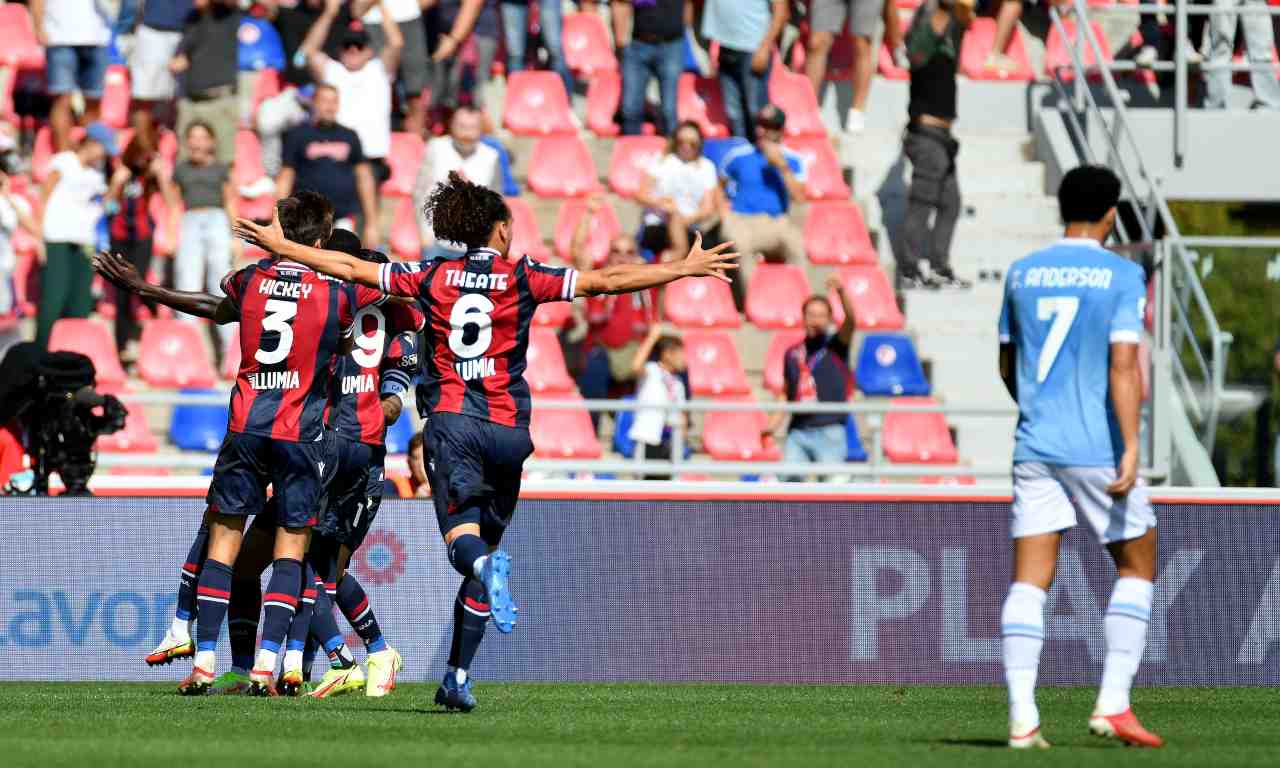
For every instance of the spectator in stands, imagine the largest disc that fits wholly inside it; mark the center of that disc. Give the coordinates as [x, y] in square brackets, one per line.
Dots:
[205, 246]
[817, 370]
[460, 151]
[1007, 13]
[363, 83]
[681, 195]
[207, 60]
[71, 202]
[617, 324]
[140, 174]
[746, 31]
[761, 180]
[650, 37]
[328, 158]
[827, 18]
[659, 366]
[414, 65]
[155, 42]
[75, 35]
[515, 27]
[933, 202]
[463, 19]
[1260, 43]
[15, 212]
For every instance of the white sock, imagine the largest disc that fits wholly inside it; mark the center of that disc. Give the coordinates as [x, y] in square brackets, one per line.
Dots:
[180, 628]
[266, 661]
[1126, 629]
[1022, 636]
[206, 660]
[477, 567]
[459, 674]
[292, 660]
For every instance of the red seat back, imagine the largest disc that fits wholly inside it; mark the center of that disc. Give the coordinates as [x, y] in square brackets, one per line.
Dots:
[563, 434]
[555, 314]
[714, 365]
[172, 354]
[546, 371]
[536, 104]
[162, 243]
[406, 238]
[1057, 53]
[699, 99]
[874, 304]
[561, 166]
[774, 359]
[604, 228]
[588, 49]
[136, 437]
[114, 110]
[18, 45]
[776, 295]
[604, 94]
[793, 92]
[247, 167]
[979, 41]
[835, 233]
[93, 340]
[266, 85]
[918, 438]
[526, 240]
[633, 157]
[737, 435]
[700, 302]
[405, 159]
[823, 177]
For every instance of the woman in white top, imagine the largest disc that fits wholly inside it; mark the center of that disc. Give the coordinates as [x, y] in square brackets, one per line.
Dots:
[71, 201]
[681, 194]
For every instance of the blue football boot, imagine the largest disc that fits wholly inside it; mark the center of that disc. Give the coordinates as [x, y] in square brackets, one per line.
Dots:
[452, 696]
[496, 576]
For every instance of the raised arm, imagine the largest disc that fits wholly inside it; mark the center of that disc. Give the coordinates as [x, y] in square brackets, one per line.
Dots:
[313, 44]
[845, 333]
[125, 276]
[394, 42]
[337, 264]
[629, 278]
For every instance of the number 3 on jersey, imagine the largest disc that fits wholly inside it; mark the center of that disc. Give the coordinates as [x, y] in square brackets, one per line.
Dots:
[278, 319]
[1062, 311]
[471, 309]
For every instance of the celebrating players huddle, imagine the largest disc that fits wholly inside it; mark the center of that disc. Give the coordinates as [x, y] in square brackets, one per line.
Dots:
[330, 336]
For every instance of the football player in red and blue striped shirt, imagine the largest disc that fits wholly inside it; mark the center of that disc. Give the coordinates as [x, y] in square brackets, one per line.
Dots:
[479, 309]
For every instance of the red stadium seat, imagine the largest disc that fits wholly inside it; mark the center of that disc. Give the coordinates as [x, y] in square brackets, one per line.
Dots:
[42, 151]
[587, 48]
[114, 110]
[266, 85]
[700, 302]
[563, 434]
[714, 365]
[885, 64]
[873, 299]
[979, 41]
[774, 378]
[231, 358]
[525, 238]
[246, 170]
[738, 435]
[555, 314]
[823, 177]
[172, 354]
[162, 243]
[546, 371]
[632, 158]
[604, 228]
[561, 166]
[18, 45]
[793, 92]
[604, 95]
[1057, 51]
[776, 295]
[698, 99]
[536, 104]
[405, 159]
[8, 78]
[918, 438]
[406, 238]
[835, 233]
[949, 480]
[136, 437]
[94, 340]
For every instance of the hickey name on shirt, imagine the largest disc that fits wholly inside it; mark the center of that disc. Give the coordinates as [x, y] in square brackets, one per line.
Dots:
[285, 289]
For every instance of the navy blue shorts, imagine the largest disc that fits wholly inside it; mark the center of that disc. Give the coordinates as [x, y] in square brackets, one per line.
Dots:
[355, 493]
[297, 472]
[474, 467]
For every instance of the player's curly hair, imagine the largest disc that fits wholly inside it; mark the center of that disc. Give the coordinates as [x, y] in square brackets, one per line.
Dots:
[463, 212]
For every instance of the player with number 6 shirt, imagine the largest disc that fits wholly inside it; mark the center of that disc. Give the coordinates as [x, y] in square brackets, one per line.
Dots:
[479, 310]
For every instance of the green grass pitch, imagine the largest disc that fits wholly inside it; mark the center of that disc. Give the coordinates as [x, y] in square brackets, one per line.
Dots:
[99, 724]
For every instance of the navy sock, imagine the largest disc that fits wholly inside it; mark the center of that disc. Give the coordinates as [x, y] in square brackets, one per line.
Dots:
[242, 621]
[324, 628]
[464, 551]
[280, 602]
[191, 575]
[470, 614]
[212, 593]
[309, 656]
[354, 604]
[300, 627]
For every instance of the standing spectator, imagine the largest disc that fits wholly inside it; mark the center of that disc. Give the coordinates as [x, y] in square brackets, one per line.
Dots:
[515, 27]
[71, 203]
[414, 64]
[363, 83]
[761, 180]
[460, 151]
[15, 212]
[659, 366]
[459, 20]
[326, 157]
[933, 202]
[1260, 43]
[680, 194]
[139, 175]
[827, 18]
[207, 60]
[74, 34]
[746, 31]
[817, 370]
[154, 44]
[652, 47]
[205, 246]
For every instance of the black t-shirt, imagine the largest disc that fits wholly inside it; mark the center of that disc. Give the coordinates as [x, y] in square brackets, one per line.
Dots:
[293, 23]
[210, 42]
[934, 59]
[817, 369]
[324, 159]
[657, 21]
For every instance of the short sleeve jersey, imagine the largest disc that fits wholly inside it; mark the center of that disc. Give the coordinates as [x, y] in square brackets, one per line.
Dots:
[479, 309]
[292, 320]
[357, 406]
[1063, 308]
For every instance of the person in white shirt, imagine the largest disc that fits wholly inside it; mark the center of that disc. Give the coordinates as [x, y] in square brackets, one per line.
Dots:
[74, 34]
[659, 364]
[415, 62]
[15, 212]
[681, 195]
[460, 151]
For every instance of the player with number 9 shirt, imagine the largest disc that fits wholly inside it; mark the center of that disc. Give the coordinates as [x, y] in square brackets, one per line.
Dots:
[479, 310]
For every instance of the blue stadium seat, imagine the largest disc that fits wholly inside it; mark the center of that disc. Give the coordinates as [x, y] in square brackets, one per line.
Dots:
[198, 427]
[715, 149]
[888, 365]
[853, 450]
[510, 188]
[399, 434]
[622, 421]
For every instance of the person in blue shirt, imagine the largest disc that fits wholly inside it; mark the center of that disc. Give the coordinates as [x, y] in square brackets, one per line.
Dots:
[1070, 327]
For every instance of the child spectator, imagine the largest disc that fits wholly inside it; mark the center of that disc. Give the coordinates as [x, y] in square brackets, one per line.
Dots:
[660, 368]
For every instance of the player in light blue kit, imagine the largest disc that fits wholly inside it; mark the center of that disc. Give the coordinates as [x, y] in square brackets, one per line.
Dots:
[1069, 332]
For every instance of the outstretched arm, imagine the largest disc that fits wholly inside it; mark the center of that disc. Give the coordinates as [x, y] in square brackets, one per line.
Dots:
[337, 264]
[629, 278]
[125, 276]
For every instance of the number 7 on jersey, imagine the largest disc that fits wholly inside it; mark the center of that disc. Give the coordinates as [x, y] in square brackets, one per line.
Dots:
[1062, 311]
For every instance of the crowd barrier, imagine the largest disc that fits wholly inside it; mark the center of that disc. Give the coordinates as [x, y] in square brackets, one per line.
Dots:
[724, 582]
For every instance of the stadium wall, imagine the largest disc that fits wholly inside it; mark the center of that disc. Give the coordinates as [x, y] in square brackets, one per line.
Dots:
[854, 587]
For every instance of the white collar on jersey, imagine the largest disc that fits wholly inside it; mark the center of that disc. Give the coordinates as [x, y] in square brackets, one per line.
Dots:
[1085, 241]
[482, 254]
